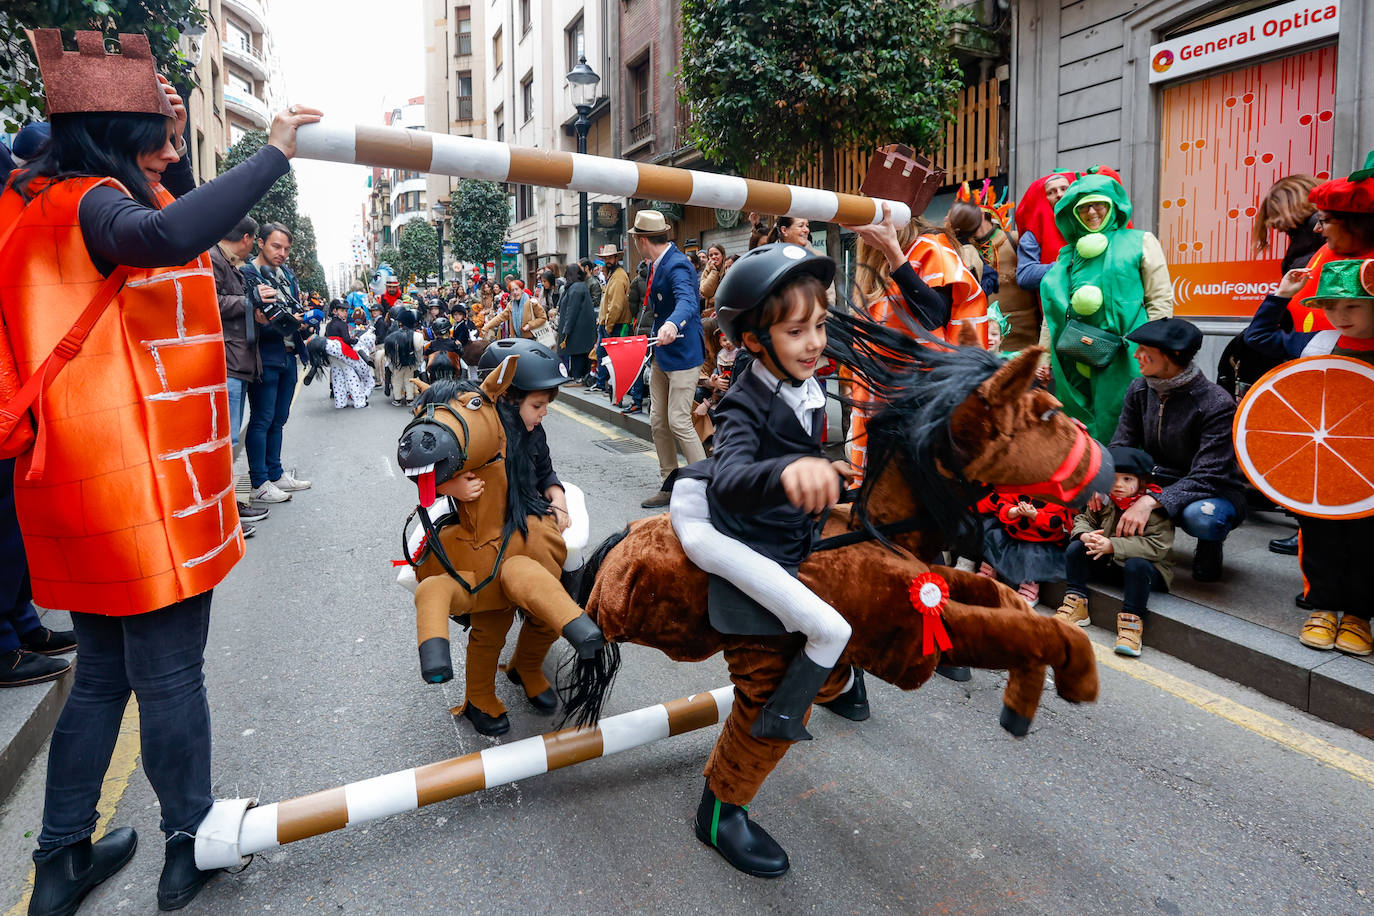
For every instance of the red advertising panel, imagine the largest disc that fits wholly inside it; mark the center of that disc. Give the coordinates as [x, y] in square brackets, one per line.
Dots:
[1224, 140]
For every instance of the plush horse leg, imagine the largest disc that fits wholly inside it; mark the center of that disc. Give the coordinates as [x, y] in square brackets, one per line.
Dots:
[739, 763]
[485, 642]
[531, 647]
[530, 586]
[1023, 644]
[435, 599]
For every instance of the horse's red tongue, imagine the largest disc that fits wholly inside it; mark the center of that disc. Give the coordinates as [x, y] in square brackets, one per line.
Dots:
[426, 484]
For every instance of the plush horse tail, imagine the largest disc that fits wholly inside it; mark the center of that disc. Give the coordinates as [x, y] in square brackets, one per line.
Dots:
[585, 683]
[400, 348]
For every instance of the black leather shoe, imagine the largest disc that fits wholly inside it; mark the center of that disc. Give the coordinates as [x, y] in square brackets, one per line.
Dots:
[853, 703]
[1207, 561]
[49, 642]
[1300, 599]
[544, 702]
[485, 724]
[20, 668]
[959, 673]
[744, 844]
[63, 877]
[1287, 546]
[181, 881]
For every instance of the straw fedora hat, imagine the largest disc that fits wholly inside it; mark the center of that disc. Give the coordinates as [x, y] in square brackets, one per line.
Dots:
[649, 222]
[608, 251]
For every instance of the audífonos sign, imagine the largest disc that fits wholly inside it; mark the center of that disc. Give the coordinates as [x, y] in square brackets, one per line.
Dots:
[1278, 28]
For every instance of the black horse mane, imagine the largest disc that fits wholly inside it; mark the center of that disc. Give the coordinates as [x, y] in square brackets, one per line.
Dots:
[918, 382]
[522, 499]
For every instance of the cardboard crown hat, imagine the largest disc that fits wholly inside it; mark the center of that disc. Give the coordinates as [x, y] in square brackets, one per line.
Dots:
[1352, 194]
[1353, 279]
[90, 79]
[897, 173]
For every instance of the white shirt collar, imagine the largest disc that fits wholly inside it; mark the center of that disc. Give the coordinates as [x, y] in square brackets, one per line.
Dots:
[801, 399]
[661, 255]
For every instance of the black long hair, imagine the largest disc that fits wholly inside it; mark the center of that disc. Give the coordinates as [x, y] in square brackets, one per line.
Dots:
[99, 145]
[522, 499]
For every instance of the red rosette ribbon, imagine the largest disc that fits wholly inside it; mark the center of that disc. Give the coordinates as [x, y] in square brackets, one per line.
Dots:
[929, 595]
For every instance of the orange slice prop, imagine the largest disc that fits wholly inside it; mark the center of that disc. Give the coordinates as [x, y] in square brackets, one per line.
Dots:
[1304, 436]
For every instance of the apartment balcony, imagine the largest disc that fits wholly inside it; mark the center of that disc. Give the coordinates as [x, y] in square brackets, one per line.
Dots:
[250, 59]
[248, 107]
[250, 11]
[464, 108]
[404, 187]
[463, 46]
[642, 130]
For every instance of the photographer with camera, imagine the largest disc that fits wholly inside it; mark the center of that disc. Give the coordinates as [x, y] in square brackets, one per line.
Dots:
[275, 295]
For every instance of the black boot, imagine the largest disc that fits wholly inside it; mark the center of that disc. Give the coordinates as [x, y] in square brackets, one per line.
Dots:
[1207, 561]
[958, 673]
[544, 702]
[1287, 546]
[744, 844]
[585, 636]
[21, 667]
[63, 877]
[853, 703]
[491, 726]
[181, 880]
[781, 717]
[49, 642]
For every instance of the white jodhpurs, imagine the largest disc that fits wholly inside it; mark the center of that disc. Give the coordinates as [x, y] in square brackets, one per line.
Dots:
[782, 594]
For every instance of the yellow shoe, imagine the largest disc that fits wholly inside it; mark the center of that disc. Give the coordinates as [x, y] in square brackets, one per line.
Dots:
[1129, 631]
[1354, 637]
[1073, 609]
[1320, 631]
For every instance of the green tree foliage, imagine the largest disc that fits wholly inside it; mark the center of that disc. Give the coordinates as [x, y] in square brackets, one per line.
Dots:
[419, 250]
[278, 205]
[769, 82]
[391, 257]
[21, 89]
[481, 219]
[305, 259]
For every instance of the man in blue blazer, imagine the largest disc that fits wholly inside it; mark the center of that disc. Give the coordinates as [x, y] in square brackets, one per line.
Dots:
[679, 350]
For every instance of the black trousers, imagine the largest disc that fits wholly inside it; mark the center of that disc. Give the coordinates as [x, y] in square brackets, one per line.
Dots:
[1337, 559]
[1138, 576]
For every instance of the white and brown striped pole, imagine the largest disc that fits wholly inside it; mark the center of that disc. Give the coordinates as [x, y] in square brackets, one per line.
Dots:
[235, 829]
[469, 157]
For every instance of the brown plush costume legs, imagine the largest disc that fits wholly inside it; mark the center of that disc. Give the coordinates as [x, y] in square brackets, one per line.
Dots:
[531, 647]
[435, 599]
[485, 642]
[739, 762]
[533, 587]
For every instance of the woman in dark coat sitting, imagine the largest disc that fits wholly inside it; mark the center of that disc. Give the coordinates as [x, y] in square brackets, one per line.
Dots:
[576, 322]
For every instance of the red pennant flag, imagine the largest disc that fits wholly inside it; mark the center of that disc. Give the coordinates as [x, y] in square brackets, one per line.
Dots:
[929, 595]
[625, 358]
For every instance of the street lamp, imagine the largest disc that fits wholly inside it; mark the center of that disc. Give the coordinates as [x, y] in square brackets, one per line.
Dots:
[440, 213]
[583, 79]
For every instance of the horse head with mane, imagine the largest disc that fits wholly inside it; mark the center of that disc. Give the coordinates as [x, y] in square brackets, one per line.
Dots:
[490, 542]
[953, 422]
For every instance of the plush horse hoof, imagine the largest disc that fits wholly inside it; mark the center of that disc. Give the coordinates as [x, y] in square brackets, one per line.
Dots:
[545, 702]
[485, 724]
[585, 636]
[959, 673]
[744, 844]
[436, 664]
[1014, 722]
[853, 703]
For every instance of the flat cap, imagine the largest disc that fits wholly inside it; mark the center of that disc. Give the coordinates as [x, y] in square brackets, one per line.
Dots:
[1130, 460]
[1172, 335]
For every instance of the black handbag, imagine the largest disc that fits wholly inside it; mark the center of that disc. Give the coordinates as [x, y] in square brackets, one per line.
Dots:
[1087, 344]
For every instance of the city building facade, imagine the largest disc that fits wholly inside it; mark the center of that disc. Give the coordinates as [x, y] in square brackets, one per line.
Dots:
[252, 80]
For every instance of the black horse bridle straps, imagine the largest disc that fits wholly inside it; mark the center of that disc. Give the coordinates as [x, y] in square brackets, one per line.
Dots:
[433, 547]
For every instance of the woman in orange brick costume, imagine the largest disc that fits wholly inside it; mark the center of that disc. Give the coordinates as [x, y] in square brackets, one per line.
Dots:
[126, 502]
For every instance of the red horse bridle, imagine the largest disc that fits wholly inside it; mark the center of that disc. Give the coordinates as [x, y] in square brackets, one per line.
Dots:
[1055, 485]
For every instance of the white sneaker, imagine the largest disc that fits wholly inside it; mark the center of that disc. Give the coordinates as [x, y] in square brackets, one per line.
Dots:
[288, 483]
[269, 493]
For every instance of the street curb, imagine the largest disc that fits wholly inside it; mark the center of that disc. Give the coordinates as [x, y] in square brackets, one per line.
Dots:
[1328, 685]
[37, 720]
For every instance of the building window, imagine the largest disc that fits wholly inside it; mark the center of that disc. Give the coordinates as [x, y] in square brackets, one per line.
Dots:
[576, 49]
[524, 16]
[239, 84]
[500, 117]
[238, 38]
[640, 111]
[463, 16]
[524, 202]
[527, 95]
[496, 52]
[465, 95]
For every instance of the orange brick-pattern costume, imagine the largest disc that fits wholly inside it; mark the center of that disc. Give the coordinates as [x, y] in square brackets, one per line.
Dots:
[937, 264]
[135, 510]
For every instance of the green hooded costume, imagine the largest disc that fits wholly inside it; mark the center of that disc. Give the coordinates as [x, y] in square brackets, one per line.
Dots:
[1106, 277]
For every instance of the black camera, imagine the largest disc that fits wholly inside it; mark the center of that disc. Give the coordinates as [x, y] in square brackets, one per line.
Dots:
[282, 311]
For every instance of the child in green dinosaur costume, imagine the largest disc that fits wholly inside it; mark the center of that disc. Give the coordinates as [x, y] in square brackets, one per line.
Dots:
[1108, 277]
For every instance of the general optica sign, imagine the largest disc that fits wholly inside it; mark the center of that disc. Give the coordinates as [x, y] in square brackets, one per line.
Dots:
[1278, 28]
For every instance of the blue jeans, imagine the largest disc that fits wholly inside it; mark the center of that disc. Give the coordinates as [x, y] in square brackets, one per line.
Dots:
[160, 656]
[238, 393]
[1208, 519]
[269, 404]
[16, 623]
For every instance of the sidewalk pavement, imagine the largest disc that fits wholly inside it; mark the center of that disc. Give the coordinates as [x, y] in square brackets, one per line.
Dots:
[1243, 628]
[28, 714]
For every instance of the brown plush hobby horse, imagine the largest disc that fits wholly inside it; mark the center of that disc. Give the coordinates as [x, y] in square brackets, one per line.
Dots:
[954, 422]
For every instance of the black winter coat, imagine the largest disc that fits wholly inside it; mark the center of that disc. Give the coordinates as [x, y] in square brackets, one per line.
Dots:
[576, 319]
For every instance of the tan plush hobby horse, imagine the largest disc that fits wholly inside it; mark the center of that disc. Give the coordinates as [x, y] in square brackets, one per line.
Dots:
[954, 420]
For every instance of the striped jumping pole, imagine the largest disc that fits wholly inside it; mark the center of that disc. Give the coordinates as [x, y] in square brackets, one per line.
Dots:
[235, 828]
[469, 157]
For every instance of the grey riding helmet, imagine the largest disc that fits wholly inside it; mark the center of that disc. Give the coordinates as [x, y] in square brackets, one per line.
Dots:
[537, 369]
[758, 273]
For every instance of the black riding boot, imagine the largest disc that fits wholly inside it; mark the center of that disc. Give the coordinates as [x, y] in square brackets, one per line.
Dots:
[781, 716]
[181, 880]
[63, 877]
[744, 844]
[571, 580]
[853, 703]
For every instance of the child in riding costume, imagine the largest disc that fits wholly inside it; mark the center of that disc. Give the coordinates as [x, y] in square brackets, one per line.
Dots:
[750, 514]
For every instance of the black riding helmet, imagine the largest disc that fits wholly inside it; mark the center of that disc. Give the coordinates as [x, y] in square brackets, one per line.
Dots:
[537, 370]
[758, 274]
[404, 317]
[441, 326]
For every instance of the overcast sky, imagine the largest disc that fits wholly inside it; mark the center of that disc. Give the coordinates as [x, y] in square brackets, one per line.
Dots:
[352, 59]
